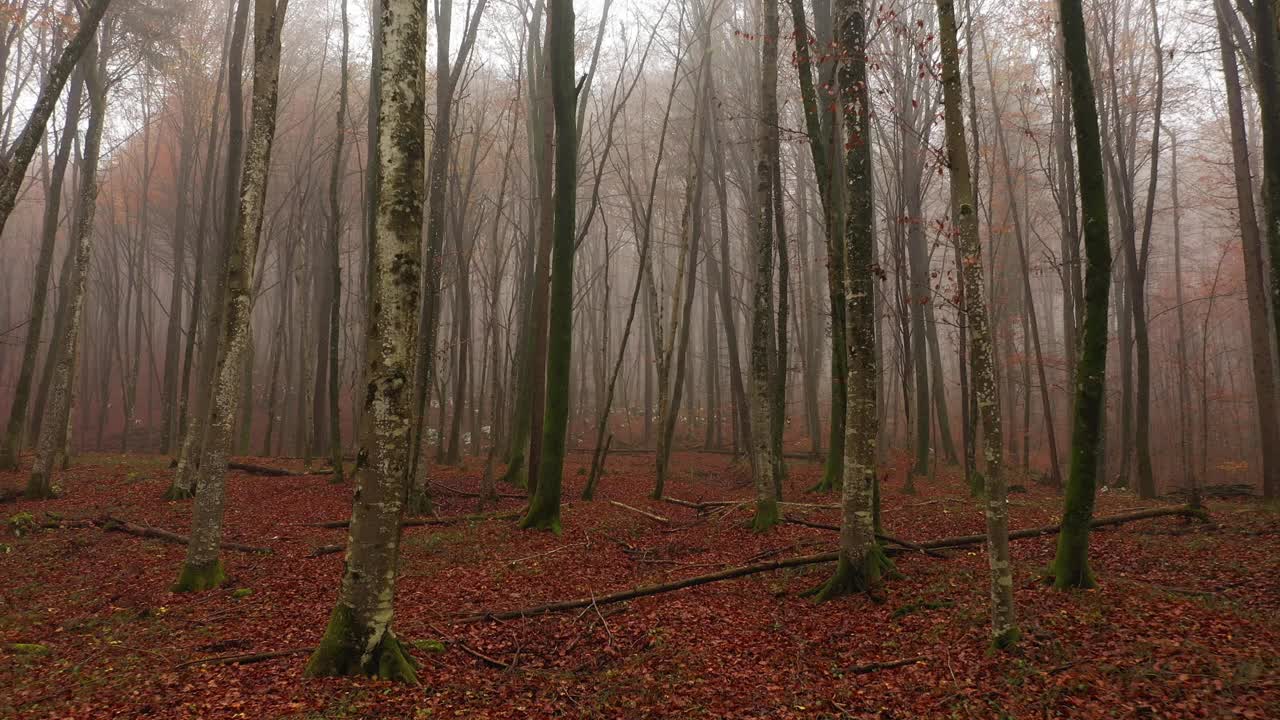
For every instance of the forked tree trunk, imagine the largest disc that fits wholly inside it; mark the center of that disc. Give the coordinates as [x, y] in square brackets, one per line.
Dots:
[17, 424]
[202, 568]
[359, 639]
[53, 429]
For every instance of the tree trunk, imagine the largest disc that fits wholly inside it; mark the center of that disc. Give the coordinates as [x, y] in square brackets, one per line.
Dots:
[544, 506]
[1004, 628]
[53, 428]
[16, 427]
[202, 568]
[359, 639]
[1071, 565]
[762, 384]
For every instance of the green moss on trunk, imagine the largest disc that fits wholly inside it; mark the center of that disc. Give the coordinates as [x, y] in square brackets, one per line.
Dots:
[176, 492]
[39, 487]
[544, 513]
[341, 652]
[856, 576]
[196, 578]
[1006, 640]
[766, 515]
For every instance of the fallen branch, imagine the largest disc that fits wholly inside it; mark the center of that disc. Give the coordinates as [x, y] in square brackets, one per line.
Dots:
[469, 494]
[243, 659]
[273, 471]
[419, 522]
[885, 538]
[112, 524]
[639, 592]
[647, 514]
[327, 550]
[966, 540]
[743, 570]
[888, 665]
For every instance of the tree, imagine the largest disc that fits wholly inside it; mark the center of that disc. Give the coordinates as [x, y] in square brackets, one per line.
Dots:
[335, 255]
[1071, 564]
[765, 466]
[58, 415]
[1004, 628]
[358, 639]
[862, 561]
[202, 568]
[13, 168]
[544, 505]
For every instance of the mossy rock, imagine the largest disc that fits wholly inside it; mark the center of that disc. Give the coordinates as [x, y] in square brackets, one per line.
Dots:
[239, 593]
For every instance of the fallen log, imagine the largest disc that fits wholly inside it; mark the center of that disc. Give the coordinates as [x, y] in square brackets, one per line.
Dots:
[639, 592]
[273, 471]
[885, 538]
[645, 513]
[243, 659]
[419, 522]
[469, 494]
[327, 550]
[966, 540]
[112, 524]
[744, 570]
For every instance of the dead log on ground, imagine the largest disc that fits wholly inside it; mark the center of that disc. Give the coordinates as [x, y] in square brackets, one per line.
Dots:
[800, 561]
[273, 471]
[112, 524]
[470, 494]
[419, 522]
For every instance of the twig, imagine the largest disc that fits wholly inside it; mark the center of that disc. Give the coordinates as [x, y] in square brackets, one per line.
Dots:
[887, 665]
[244, 659]
[649, 515]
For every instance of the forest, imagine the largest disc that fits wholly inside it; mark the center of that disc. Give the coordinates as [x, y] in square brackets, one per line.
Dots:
[639, 359]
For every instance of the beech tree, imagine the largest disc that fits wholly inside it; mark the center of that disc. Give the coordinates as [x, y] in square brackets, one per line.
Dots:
[358, 639]
[202, 568]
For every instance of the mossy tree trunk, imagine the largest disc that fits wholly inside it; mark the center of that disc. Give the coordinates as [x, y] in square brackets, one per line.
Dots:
[861, 561]
[544, 505]
[1071, 565]
[55, 420]
[762, 360]
[359, 639]
[1004, 627]
[203, 566]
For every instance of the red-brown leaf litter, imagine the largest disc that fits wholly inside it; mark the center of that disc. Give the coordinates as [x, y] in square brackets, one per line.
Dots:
[1184, 623]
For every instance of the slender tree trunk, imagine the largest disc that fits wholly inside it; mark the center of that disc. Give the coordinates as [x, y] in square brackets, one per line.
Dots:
[1071, 565]
[54, 432]
[762, 330]
[13, 169]
[16, 426]
[861, 560]
[203, 566]
[544, 505]
[1004, 628]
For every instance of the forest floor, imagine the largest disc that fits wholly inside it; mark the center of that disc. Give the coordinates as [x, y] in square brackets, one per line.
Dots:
[1185, 623]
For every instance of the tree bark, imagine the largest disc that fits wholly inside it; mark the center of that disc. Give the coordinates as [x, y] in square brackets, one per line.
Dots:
[359, 639]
